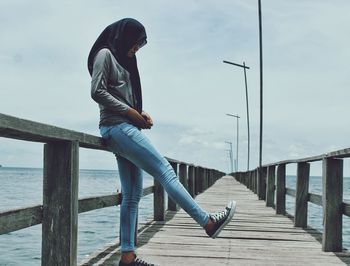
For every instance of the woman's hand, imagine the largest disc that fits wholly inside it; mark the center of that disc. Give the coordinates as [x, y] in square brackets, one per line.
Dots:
[137, 119]
[148, 118]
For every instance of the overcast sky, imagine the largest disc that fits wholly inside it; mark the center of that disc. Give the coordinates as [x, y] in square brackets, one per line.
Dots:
[186, 87]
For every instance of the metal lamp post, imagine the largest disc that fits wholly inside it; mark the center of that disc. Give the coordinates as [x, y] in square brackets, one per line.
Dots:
[231, 154]
[236, 116]
[247, 103]
[261, 94]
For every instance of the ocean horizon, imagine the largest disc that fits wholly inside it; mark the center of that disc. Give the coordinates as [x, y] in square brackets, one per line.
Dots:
[22, 187]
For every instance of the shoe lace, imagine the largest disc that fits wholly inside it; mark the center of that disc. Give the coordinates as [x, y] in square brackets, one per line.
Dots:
[220, 215]
[139, 262]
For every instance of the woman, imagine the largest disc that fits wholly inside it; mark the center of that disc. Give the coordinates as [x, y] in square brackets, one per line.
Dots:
[116, 87]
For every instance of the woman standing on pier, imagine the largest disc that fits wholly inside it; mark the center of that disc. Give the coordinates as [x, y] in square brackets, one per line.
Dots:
[116, 87]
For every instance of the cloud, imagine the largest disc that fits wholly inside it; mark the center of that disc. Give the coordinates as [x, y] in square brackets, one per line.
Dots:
[186, 87]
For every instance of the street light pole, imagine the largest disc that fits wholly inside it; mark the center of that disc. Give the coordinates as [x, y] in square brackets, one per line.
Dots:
[261, 90]
[247, 102]
[231, 155]
[236, 116]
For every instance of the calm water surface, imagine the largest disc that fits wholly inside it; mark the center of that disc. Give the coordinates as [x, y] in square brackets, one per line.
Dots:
[21, 187]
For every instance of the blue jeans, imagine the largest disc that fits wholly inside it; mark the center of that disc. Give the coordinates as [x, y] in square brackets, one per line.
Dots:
[134, 152]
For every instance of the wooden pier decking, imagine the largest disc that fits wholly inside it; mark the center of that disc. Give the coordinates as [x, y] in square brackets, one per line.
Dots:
[256, 236]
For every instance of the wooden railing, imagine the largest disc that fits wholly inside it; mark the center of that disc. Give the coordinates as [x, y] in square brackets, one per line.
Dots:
[273, 189]
[59, 212]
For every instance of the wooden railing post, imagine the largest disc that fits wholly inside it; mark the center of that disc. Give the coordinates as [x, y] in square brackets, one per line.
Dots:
[191, 181]
[205, 179]
[332, 198]
[249, 178]
[211, 177]
[245, 178]
[197, 180]
[200, 180]
[158, 202]
[301, 195]
[208, 178]
[172, 206]
[238, 177]
[262, 183]
[270, 186]
[255, 180]
[183, 175]
[281, 189]
[60, 203]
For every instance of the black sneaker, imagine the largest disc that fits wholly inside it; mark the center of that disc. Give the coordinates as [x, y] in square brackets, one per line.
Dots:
[221, 219]
[137, 262]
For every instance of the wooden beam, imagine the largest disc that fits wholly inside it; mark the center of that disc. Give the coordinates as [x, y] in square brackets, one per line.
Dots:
[158, 202]
[191, 180]
[346, 209]
[315, 199]
[281, 189]
[20, 218]
[60, 203]
[16, 128]
[172, 205]
[301, 196]
[147, 191]
[270, 186]
[290, 192]
[332, 199]
[261, 184]
[93, 203]
[183, 175]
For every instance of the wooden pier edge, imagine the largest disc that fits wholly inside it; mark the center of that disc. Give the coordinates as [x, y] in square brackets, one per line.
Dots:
[331, 199]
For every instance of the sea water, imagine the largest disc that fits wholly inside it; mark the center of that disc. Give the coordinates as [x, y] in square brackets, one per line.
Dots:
[22, 187]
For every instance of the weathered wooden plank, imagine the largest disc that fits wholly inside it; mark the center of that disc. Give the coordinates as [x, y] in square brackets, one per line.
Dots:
[93, 203]
[261, 184]
[199, 180]
[281, 189]
[343, 153]
[158, 202]
[290, 192]
[20, 218]
[147, 191]
[332, 199]
[254, 181]
[172, 205]
[204, 180]
[301, 196]
[346, 209]
[25, 217]
[24, 129]
[191, 180]
[60, 203]
[270, 186]
[16, 128]
[315, 199]
[255, 236]
[183, 175]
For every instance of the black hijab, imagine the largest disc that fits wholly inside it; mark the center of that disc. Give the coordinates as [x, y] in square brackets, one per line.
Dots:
[119, 38]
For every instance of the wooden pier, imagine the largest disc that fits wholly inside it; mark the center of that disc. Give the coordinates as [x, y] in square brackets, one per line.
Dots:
[255, 236]
[261, 233]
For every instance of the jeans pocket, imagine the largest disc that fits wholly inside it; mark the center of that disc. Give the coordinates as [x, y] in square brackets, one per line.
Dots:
[114, 139]
[104, 131]
[129, 130]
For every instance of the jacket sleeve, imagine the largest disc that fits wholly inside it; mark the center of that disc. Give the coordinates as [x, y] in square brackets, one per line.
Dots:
[99, 83]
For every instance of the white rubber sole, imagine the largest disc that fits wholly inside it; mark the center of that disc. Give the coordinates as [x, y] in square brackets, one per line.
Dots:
[232, 204]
